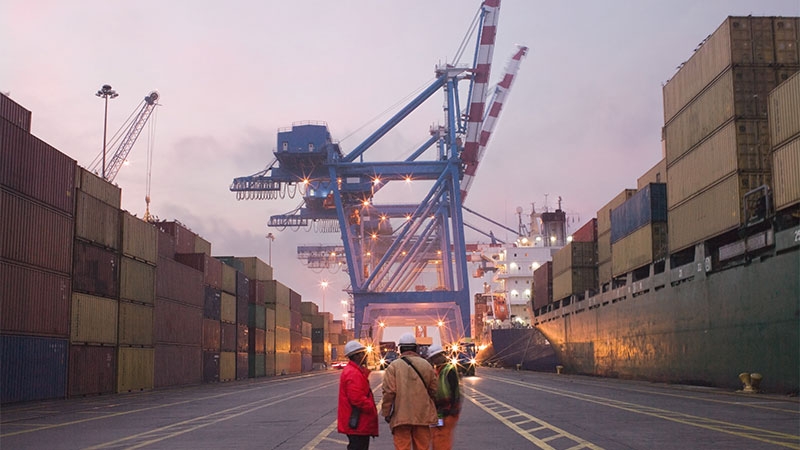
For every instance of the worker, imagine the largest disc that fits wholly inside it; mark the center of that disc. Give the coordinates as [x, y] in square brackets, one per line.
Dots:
[409, 387]
[448, 398]
[357, 416]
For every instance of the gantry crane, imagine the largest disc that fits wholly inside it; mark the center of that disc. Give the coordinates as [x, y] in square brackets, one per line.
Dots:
[388, 247]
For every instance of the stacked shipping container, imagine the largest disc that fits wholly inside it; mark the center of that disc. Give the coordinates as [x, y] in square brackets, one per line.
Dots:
[639, 229]
[784, 119]
[604, 271]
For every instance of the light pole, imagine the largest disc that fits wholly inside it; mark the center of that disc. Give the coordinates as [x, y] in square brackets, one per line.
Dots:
[270, 237]
[323, 284]
[105, 92]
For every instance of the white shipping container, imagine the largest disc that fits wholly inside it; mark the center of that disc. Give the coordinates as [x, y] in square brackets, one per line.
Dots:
[784, 111]
[711, 213]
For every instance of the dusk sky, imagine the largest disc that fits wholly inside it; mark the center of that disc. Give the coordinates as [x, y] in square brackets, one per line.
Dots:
[583, 121]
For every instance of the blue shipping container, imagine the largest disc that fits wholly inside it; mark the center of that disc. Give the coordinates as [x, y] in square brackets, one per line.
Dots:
[649, 205]
[32, 368]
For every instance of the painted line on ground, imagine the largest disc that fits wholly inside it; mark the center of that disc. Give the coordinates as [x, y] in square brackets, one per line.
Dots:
[324, 435]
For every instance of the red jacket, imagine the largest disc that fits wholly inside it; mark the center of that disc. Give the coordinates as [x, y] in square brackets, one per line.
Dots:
[354, 390]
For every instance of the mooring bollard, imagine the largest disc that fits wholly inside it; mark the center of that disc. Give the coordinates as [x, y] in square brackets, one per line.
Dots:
[559, 368]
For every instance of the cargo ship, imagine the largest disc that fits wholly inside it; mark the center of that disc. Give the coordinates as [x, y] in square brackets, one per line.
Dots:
[694, 276]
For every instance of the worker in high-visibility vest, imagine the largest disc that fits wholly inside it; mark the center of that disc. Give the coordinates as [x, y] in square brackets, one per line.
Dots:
[448, 398]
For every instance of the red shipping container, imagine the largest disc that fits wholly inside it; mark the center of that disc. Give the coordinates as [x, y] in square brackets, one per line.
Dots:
[33, 168]
[177, 323]
[166, 245]
[14, 113]
[543, 285]
[177, 365]
[242, 338]
[242, 366]
[210, 367]
[257, 292]
[34, 234]
[91, 370]
[228, 337]
[179, 282]
[295, 301]
[296, 321]
[184, 238]
[95, 270]
[586, 233]
[211, 267]
[33, 301]
[211, 335]
[258, 340]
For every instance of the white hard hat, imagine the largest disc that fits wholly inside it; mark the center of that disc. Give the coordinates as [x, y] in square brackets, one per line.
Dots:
[408, 339]
[353, 347]
[434, 350]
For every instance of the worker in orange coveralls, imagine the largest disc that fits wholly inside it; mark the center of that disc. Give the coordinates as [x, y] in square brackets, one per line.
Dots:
[357, 416]
[448, 399]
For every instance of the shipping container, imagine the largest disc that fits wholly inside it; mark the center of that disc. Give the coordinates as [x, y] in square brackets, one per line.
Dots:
[277, 293]
[135, 324]
[227, 366]
[34, 234]
[640, 248]
[242, 338]
[308, 309]
[786, 174]
[34, 301]
[295, 300]
[34, 169]
[166, 245]
[135, 369]
[604, 247]
[305, 345]
[604, 213]
[282, 363]
[282, 340]
[95, 270]
[242, 297]
[32, 368]
[257, 317]
[257, 340]
[184, 238]
[574, 255]
[256, 365]
[656, 174]
[733, 43]
[295, 341]
[179, 282]
[139, 238]
[307, 363]
[256, 296]
[228, 279]
[306, 330]
[211, 267]
[94, 319]
[708, 214]
[202, 246]
[586, 233]
[14, 113]
[252, 267]
[227, 337]
[604, 274]
[177, 323]
[283, 316]
[242, 365]
[210, 367]
[649, 205]
[98, 188]
[211, 334]
[178, 365]
[92, 370]
[228, 308]
[96, 222]
[213, 303]
[543, 285]
[784, 111]
[271, 322]
[137, 281]
[295, 362]
[270, 347]
[575, 281]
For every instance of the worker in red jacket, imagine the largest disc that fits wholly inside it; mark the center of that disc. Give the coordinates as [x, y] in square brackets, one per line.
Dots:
[358, 416]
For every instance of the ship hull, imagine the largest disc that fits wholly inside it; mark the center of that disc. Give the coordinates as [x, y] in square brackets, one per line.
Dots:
[523, 348]
[705, 329]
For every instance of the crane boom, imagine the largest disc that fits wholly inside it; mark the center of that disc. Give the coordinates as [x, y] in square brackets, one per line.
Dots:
[121, 154]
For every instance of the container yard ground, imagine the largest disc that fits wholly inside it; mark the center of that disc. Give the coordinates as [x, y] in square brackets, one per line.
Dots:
[502, 409]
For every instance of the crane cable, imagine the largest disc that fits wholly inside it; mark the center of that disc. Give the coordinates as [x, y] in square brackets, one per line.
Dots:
[114, 139]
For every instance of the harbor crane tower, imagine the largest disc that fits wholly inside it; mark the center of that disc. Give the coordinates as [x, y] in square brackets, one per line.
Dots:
[389, 246]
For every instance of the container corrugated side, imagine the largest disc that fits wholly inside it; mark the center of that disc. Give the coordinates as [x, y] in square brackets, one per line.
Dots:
[242, 365]
[166, 245]
[282, 363]
[543, 285]
[99, 188]
[177, 365]
[575, 281]
[212, 304]
[95, 270]
[269, 347]
[211, 334]
[228, 279]
[34, 234]
[256, 365]
[32, 368]
[787, 40]
[135, 369]
[712, 212]
[604, 247]
[587, 232]
[305, 345]
[210, 366]
[135, 324]
[33, 168]
[211, 267]
[656, 174]
[184, 237]
[309, 309]
[784, 111]
[604, 213]
[202, 246]
[646, 206]
[139, 239]
[271, 319]
[228, 337]
[92, 370]
[640, 248]
[307, 364]
[33, 301]
[295, 300]
[228, 308]
[295, 341]
[177, 323]
[94, 319]
[574, 255]
[137, 281]
[604, 273]
[786, 174]
[96, 222]
[242, 297]
[256, 296]
[254, 268]
[257, 317]
[179, 282]
[283, 316]
[227, 366]
[306, 329]
[242, 338]
[295, 362]
[282, 339]
[277, 293]
[15, 113]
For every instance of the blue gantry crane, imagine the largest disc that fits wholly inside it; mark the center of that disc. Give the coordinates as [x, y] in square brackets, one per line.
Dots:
[389, 247]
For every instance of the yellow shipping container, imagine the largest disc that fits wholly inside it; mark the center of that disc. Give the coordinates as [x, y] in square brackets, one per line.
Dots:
[202, 246]
[270, 345]
[282, 339]
[96, 221]
[137, 281]
[283, 316]
[786, 174]
[135, 369]
[227, 366]
[97, 187]
[139, 238]
[784, 111]
[604, 247]
[277, 293]
[228, 279]
[228, 308]
[135, 324]
[656, 174]
[94, 319]
[271, 319]
[639, 248]
[713, 212]
[255, 269]
[604, 273]
[282, 363]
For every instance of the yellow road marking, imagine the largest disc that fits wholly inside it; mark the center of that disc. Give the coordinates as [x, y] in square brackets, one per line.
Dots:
[324, 434]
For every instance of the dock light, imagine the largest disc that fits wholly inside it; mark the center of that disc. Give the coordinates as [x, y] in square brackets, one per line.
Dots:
[440, 323]
[381, 324]
[383, 217]
[105, 93]
[408, 179]
[454, 361]
[552, 239]
[366, 203]
[306, 181]
[376, 181]
[374, 235]
[369, 349]
[569, 238]
[333, 254]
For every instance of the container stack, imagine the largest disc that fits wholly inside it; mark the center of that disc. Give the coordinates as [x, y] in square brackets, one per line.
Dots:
[716, 130]
[574, 271]
[784, 114]
[37, 200]
[233, 328]
[542, 287]
[295, 332]
[320, 339]
[639, 230]
[277, 297]
[337, 339]
[604, 271]
[178, 313]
